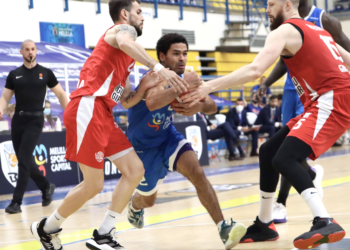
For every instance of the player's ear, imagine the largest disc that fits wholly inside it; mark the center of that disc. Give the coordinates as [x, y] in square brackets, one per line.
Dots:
[161, 56]
[124, 15]
[288, 5]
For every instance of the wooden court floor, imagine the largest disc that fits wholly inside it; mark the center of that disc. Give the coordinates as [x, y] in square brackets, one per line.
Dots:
[178, 221]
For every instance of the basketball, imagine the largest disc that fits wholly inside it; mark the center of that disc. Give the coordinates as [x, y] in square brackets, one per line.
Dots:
[178, 99]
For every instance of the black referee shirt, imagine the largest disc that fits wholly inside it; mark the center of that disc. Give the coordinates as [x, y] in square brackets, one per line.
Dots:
[30, 87]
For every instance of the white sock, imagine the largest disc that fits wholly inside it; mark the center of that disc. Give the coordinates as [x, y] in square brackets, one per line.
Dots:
[133, 209]
[313, 200]
[219, 225]
[266, 205]
[53, 223]
[108, 222]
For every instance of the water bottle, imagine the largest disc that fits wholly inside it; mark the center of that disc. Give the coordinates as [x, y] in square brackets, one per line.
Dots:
[213, 152]
[58, 125]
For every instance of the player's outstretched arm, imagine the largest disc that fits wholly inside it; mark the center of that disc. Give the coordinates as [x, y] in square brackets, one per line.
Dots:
[130, 98]
[345, 55]
[333, 26]
[207, 107]
[126, 37]
[274, 45]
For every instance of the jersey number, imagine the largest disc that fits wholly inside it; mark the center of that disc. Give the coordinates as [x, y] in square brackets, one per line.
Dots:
[80, 84]
[332, 47]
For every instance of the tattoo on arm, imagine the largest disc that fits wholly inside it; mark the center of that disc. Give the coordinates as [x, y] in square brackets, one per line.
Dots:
[124, 28]
[130, 96]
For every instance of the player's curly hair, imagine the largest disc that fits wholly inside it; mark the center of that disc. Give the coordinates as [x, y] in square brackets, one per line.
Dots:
[116, 6]
[165, 42]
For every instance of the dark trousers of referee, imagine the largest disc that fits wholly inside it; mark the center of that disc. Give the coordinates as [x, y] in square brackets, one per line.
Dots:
[25, 131]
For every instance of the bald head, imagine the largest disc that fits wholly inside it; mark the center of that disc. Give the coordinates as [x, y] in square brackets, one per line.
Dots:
[27, 41]
[28, 51]
[295, 3]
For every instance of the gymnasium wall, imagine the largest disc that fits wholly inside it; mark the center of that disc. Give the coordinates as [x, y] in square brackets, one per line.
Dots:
[19, 23]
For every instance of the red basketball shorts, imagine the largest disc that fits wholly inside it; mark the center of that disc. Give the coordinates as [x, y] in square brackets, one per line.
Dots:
[323, 122]
[92, 133]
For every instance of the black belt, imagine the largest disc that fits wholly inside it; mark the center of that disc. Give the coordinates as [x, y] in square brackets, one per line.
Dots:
[34, 113]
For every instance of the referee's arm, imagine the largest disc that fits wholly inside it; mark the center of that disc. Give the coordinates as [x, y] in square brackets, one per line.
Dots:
[5, 99]
[56, 88]
[61, 95]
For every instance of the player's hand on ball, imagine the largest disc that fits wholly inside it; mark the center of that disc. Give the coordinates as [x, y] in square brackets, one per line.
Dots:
[193, 79]
[196, 95]
[184, 109]
[176, 82]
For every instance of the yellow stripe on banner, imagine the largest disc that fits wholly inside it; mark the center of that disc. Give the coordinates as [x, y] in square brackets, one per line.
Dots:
[122, 226]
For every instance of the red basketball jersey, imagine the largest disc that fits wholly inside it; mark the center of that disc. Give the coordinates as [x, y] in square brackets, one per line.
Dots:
[318, 66]
[104, 74]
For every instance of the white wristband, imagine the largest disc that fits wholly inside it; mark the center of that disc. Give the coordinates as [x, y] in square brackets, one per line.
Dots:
[158, 67]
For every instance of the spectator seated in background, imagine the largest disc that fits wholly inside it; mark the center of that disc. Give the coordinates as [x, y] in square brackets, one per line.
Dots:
[223, 130]
[49, 123]
[268, 91]
[253, 106]
[9, 112]
[237, 118]
[279, 98]
[270, 118]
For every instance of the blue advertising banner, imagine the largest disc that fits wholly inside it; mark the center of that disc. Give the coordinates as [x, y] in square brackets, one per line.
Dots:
[62, 33]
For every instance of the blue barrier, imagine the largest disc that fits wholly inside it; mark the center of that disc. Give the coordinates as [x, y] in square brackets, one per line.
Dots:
[66, 8]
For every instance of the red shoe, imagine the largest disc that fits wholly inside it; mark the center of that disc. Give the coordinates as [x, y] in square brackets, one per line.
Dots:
[324, 230]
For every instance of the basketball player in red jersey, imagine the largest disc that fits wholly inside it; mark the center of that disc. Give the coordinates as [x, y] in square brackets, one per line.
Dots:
[319, 71]
[92, 134]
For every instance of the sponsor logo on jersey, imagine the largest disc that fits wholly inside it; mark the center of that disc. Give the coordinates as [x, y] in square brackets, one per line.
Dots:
[117, 93]
[297, 86]
[99, 156]
[40, 76]
[9, 162]
[314, 27]
[157, 120]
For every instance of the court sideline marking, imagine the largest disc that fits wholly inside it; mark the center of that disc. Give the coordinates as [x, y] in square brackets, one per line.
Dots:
[167, 217]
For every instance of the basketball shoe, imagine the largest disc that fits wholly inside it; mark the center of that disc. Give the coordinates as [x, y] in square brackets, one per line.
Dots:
[260, 231]
[279, 213]
[104, 242]
[47, 241]
[135, 218]
[232, 233]
[323, 230]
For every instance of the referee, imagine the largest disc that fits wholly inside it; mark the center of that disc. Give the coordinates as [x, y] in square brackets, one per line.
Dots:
[29, 84]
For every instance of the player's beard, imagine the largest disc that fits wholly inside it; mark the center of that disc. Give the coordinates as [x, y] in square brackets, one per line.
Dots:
[136, 26]
[28, 59]
[278, 20]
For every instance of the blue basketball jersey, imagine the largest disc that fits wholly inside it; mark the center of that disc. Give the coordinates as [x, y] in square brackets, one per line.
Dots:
[315, 17]
[147, 128]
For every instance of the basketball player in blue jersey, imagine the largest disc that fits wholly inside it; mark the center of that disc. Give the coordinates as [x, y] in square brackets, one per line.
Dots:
[291, 104]
[161, 148]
